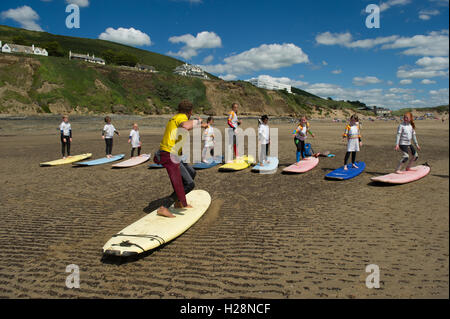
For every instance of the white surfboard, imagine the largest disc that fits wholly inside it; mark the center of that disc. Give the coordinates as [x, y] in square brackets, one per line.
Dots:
[153, 230]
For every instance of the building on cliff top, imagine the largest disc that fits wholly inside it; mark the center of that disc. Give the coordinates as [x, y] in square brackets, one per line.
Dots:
[190, 70]
[16, 48]
[86, 58]
[270, 85]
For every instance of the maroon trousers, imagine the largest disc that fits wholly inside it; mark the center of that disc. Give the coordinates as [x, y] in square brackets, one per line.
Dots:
[181, 176]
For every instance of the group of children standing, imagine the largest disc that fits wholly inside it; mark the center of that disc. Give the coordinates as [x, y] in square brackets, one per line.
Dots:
[107, 135]
[182, 175]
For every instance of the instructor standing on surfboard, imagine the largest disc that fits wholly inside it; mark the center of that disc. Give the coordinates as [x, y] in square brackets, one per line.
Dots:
[181, 174]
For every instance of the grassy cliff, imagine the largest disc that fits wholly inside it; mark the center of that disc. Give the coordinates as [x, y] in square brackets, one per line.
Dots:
[55, 84]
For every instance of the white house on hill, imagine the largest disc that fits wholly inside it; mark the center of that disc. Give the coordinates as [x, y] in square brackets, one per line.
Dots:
[190, 70]
[269, 85]
[86, 58]
[16, 48]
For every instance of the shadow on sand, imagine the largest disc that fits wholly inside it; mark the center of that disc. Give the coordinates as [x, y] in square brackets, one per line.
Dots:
[152, 206]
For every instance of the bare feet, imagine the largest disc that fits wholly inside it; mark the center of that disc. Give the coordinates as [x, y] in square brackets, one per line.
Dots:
[163, 211]
[354, 166]
[398, 171]
[345, 167]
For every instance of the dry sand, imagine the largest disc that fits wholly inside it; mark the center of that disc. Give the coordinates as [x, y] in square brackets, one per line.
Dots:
[264, 236]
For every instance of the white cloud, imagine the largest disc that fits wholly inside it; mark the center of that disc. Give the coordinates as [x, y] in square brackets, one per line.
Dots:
[370, 43]
[426, 14]
[339, 71]
[328, 38]
[129, 36]
[441, 2]
[324, 63]
[346, 40]
[436, 63]
[420, 73]
[405, 82]
[366, 80]
[208, 59]
[388, 4]
[394, 98]
[190, 1]
[80, 3]
[390, 83]
[203, 40]
[439, 97]
[25, 16]
[426, 81]
[228, 77]
[264, 57]
[401, 90]
[433, 44]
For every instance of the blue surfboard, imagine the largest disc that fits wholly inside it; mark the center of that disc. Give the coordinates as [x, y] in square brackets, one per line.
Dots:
[268, 167]
[341, 174]
[211, 163]
[100, 161]
[155, 166]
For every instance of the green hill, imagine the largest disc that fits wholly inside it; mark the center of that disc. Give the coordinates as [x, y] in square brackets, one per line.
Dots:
[55, 84]
[84, 46]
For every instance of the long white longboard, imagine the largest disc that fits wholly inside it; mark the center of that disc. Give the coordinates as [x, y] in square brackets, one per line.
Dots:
[153, 230]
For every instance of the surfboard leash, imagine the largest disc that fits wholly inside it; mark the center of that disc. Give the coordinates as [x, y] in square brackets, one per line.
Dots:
[126, 243]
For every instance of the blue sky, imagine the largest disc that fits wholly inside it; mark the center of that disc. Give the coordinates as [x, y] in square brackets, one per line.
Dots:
[321, 46]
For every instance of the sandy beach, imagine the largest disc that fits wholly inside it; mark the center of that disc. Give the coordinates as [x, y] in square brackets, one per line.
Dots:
[264, 236]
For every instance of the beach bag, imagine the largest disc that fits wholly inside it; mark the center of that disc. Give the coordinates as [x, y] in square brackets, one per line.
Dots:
[308, 150]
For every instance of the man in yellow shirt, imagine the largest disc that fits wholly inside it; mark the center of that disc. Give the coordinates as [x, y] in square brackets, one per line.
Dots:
[181, 174]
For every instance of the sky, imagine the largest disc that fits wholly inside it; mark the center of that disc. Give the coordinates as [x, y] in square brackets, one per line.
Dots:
[331, 48]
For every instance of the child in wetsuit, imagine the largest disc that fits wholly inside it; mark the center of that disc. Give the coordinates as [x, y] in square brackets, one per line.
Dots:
[300, 135]
[135, 140]
[405, 133]
[108, 134]
[264, 139]
[66, 135]
[353, 136]
[208, 137]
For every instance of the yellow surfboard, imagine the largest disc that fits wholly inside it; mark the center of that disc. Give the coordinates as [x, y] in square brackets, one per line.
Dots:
[153, 230]
[238, 164]
[68, 160]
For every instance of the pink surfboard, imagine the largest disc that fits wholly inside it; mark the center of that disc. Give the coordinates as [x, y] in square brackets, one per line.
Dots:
[133, 161]
[303, 166]
[404, 177]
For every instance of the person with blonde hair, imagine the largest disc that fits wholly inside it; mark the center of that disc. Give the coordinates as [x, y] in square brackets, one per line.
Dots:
[352, 134]
[300, 135]
[405, 133]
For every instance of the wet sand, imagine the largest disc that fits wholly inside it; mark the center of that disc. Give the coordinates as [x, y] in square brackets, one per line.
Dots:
[264, 236]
